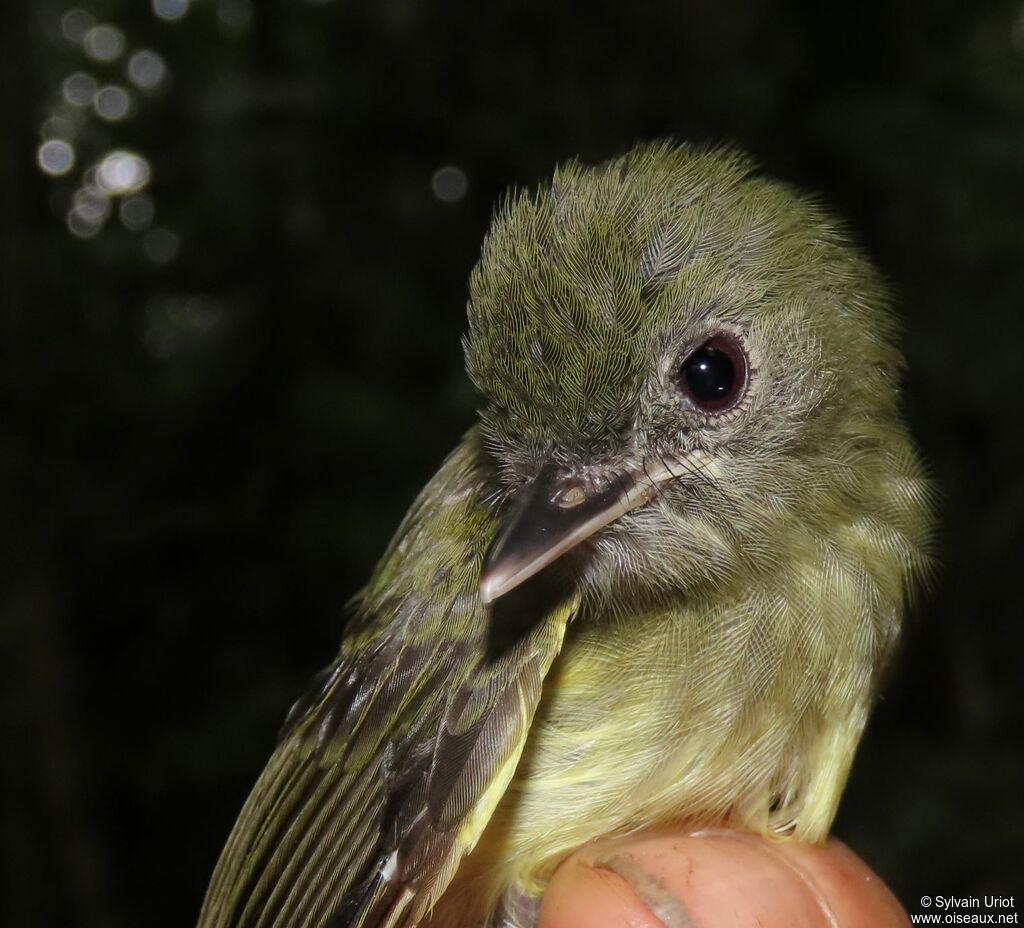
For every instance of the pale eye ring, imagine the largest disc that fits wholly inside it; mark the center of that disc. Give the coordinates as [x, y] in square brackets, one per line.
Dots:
[713, 377]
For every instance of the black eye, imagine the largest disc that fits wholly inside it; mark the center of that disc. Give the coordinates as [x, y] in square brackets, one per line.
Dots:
[714, 376]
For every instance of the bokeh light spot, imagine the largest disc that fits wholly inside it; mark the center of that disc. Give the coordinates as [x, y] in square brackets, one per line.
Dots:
[178, 322]
[1017, 32]
[89, 210]
[74, 24]
[235, 15]
[79, 89]
[58, 127]
[449, 183]
[56, 157]
[136, 213]
[161, 246]
[202, 313]
[146, 69]
[91, 204]
[80, 227]
[170, 10]
[104, 43]
[112, 103]
[122, 172]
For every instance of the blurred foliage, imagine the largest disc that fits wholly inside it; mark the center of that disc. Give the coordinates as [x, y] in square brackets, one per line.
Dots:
[202, 455]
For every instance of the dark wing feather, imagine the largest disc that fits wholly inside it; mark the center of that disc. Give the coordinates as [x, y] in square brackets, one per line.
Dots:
[390, 766]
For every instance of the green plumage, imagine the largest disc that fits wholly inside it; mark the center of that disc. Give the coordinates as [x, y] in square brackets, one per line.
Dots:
[725, 616]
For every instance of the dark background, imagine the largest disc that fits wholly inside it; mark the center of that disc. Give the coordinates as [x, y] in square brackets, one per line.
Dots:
[211, 425]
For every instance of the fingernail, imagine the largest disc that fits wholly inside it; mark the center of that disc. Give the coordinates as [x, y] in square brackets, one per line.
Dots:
[709, 879]
[649, 889]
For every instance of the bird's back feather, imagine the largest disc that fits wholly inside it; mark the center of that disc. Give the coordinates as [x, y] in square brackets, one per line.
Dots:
[389, 768]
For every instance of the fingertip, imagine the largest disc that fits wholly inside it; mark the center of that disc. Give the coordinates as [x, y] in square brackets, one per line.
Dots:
[855, 893]
[717, 877]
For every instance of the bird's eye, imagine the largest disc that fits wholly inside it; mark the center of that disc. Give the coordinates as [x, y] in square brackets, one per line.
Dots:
[713, 377]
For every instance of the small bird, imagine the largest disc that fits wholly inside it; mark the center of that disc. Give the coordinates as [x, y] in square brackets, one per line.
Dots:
[656, 584]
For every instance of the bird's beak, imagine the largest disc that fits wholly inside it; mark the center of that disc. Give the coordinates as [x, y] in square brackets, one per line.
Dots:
[551, 515]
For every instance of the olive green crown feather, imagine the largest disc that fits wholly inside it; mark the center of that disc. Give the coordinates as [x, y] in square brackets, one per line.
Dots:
[583, 281]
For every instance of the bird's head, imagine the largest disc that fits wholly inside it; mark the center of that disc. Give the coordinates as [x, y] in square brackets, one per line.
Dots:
[688, 368]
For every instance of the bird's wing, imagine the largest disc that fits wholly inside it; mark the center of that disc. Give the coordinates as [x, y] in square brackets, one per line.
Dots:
[390, 767]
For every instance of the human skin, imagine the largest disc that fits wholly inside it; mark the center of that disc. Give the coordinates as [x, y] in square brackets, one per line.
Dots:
[714, 878]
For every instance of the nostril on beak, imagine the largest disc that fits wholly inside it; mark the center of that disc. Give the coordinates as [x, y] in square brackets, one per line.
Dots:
[571, 496]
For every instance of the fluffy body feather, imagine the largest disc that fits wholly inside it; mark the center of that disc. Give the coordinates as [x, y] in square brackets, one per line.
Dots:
[722, 642]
